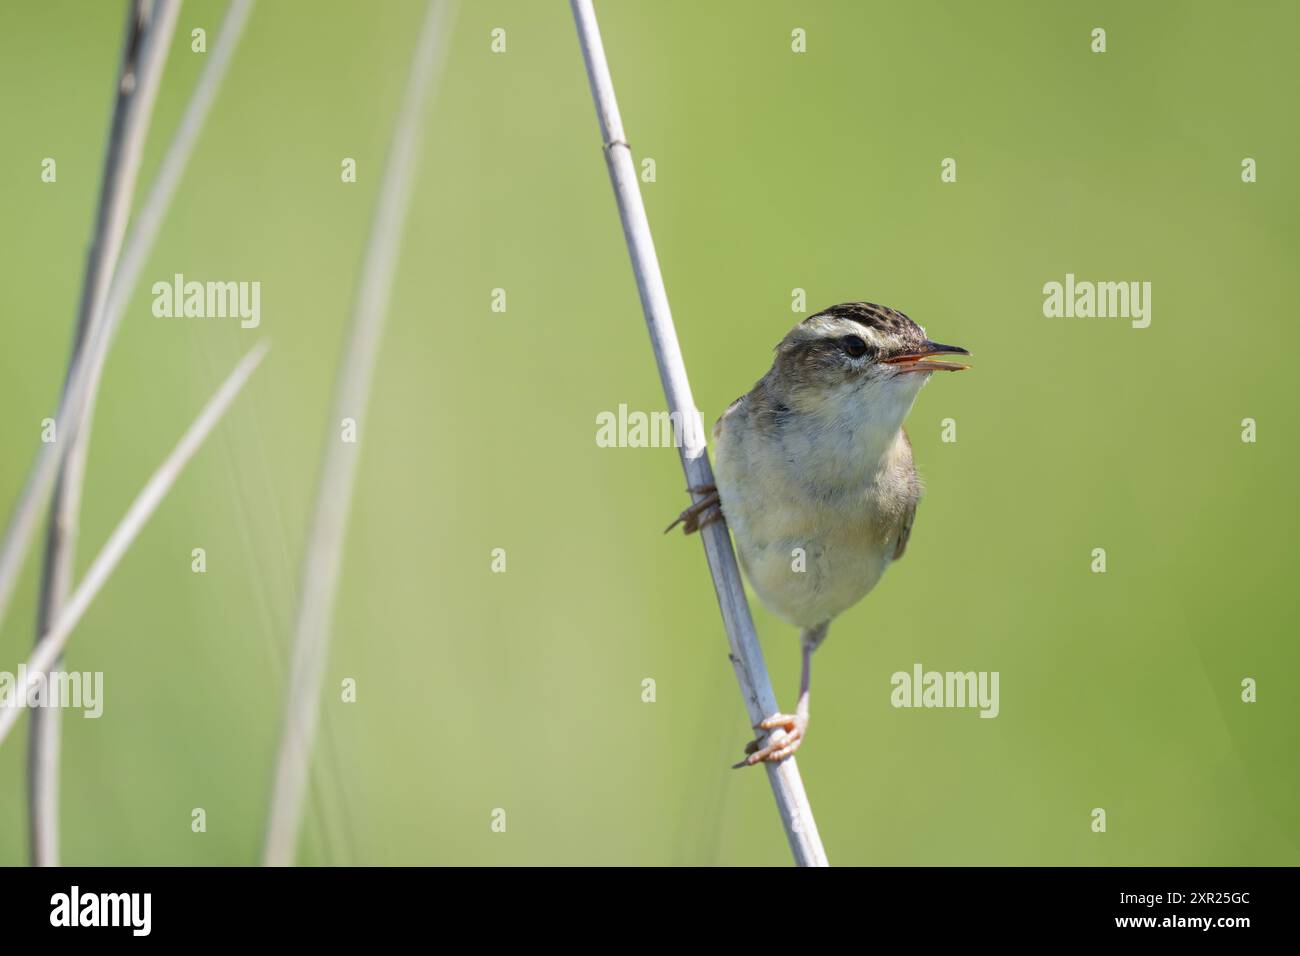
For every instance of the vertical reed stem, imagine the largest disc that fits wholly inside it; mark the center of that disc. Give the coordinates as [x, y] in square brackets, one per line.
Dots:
[144, 55]
[746, 655]
[324, 553]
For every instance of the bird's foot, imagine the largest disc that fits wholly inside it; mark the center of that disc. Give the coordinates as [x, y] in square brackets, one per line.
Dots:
[701, 514]
[795, 727]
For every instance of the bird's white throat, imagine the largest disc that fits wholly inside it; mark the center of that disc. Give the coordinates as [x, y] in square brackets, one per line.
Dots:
[854, 431]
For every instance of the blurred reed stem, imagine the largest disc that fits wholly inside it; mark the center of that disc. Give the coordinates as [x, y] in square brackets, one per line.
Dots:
[43, 754]
[323, 556]
[115, 202]
[48, 649]
[149, 31]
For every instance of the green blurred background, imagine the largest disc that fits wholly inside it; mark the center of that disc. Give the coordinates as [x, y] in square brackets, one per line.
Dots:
[819, 171]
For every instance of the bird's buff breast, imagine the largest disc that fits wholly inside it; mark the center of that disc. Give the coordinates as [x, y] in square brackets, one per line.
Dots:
[808, 553]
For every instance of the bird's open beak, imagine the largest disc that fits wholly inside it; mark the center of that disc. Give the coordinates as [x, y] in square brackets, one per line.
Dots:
[915, 361]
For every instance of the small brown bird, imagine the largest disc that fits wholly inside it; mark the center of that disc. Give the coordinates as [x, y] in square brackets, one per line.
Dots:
[815, 475]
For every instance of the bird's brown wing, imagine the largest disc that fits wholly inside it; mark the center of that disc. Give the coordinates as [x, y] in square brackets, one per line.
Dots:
[717, 428]
[909, 516]
[905, 531]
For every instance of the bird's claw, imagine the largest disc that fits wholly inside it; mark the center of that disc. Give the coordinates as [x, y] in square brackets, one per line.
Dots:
[701, 514]
[795, 727]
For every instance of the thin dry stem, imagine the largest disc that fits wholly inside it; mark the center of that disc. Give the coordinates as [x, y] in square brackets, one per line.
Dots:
[52, 643]
[746, 655]
[148, 39]
[324, 552]
[115, 207]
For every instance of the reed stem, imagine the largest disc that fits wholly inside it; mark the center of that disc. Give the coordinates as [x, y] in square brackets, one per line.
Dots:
[746, 655]
[323, 557]
[52, 642]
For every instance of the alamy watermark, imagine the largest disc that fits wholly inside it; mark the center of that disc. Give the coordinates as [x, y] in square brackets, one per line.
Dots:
[129, 910]
[923, 688]
[635, 429]
[71, 690]
[1102, 300]
[208, 300]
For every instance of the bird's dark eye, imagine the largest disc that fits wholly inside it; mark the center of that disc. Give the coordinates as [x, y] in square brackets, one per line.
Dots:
[854, 346]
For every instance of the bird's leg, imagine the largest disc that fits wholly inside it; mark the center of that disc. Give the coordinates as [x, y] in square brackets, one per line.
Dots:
[701, 514]
[795, 725]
